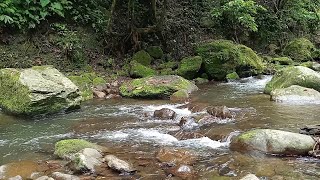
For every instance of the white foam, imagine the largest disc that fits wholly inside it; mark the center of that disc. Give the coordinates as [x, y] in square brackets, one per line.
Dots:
[37, 139]
[3, 142]
[250, 83]
[204, 142]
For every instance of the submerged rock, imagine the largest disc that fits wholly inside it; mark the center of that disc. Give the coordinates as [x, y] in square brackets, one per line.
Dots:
[62, 176]
[164, 113]
[182, 171]
[67, 148]
[310, 130]
[220, 112]
[274, 142]
[297, 75]
[118, 164]
[175, 156]
[156, 87]
[295, 93]
[37, 90]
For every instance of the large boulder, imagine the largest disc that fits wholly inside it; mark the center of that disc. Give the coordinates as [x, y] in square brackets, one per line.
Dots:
[299, 49]
[156, 87]
[273, 142]
[138, 70]
[222, 57]
[296, 75]
[37, 90]
[295, 93]
[189, 67]
[142, 57]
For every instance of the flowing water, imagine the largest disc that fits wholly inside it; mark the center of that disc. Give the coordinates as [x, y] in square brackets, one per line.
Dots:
[127, 127]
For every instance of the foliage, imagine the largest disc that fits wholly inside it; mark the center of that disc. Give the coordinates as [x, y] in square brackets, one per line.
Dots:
[237, 15]
[29, 13]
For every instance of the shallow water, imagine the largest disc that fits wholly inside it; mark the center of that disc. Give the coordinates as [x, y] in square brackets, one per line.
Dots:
[127, 127]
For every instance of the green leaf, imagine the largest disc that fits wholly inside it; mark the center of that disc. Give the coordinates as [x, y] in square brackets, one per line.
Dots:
[57, 6]
[44, 3]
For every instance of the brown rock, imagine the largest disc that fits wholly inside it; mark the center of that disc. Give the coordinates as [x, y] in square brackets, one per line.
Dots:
[99, 94]
[219, 112]
[164, 113]
[113, 96]
[175, 156]
[182, 171]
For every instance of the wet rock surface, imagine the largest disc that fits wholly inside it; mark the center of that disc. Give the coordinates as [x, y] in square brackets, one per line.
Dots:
[118, 164]
[176, 156]
[295, 93]
[164, 113]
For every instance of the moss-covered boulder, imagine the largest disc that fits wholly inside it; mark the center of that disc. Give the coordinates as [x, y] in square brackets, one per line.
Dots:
[299, 49]
[36, 90]
[222, 57]
[156, 87]
[200, 80]
[273, 142]
[142, 57]
[155, 52]
[232, 76]
[68, 147]
[179, 96]
[86, 82]
[296, 75]
[295, 94]
[189, 67]
[138, 70]
[282, 60]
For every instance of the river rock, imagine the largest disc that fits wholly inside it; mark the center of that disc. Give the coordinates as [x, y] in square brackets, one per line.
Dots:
[220, 112]
[37, 90]
[179, 96]
[44, 178]
[273, 142]
[250, 177]
[175, 156]
[297, 75]
[99, 94]
[295, 93]
[67, 148]
[86, 160]
[118, 164]
[62, 176]
[182, 171]
[310, 130]
[156, 87]
[164, 113]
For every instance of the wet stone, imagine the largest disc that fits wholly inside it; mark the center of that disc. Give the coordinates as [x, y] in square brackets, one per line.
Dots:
[250, 177]
[175, 156]
[182, 171]
[118, 164]
[164, 113]
[220, 112]
[62, 176]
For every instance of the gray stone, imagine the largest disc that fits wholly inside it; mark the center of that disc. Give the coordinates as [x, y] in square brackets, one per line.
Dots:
[37, 90]
[273, 142]
[164, 113]
[250, 177]
[87, 159]
[61, 176]
[295, 93]
[118, 164]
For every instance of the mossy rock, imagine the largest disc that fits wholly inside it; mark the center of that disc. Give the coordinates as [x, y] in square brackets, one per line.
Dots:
[66, 148]
[85, 82]
[37, 90]
[222, 57]
[167, 71]
[189, 67]
[299, 49]
[296, 75]
[170, 64]
[155, 52]
[200, 80]
[315, 54]
[282, 60]
[142, 57]
[138, 70]
[232, 76]
[156, 87]
[179, 96]
[273, 142]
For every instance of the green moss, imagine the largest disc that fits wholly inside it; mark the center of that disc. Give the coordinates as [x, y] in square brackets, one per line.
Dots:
[170, 64]
[299, 49]
[85, 82]
[315, 54]
[282, 60]
[296, 75]
[247, 135]
[138, 70]
[67, 147]
[167, 71]
[308, 64]
[232, 76]
[222, 57]
[201, 80]
[14, 97]
[142, 57]
[155, 51]
[98, 81]
[189, 67]
[155, 87]
[180, 95]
